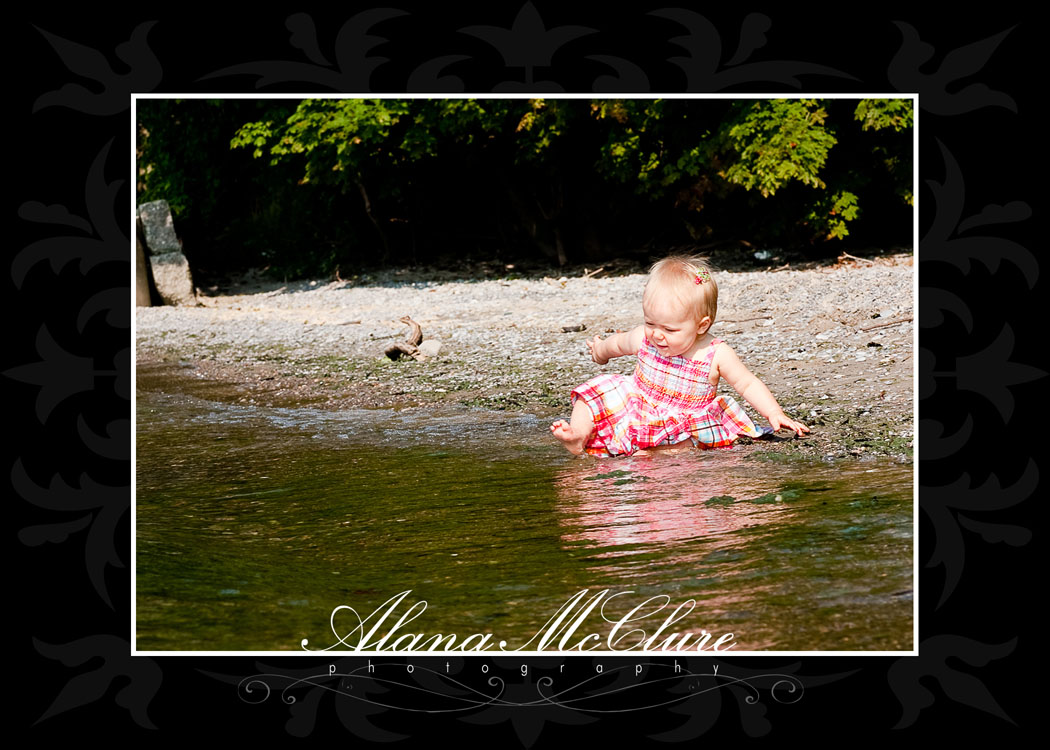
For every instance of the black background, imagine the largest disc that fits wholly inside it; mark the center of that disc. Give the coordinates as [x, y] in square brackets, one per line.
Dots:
[68, 370]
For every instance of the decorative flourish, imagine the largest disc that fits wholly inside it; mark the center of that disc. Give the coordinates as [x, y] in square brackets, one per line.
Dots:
[927, 373]
[993, 214]
[527, 44]
[113, 302]
[990, 373]
[353, 67]
[106, 505]
[944, 505]
[144, 75]
[705, 72]
[942, 242]
[752, 36]
[59, 374]
[118, 666]
[524, 713]
[43, 214]
[936, 445]
[937, 301]
[427, 78]
[529, 705]
[122, 367]
[115, 442]
[962, 687]
[305, 711]
[108, 243]
[905, 74]
[257, 688]
[629, 78]
[53, 533]
[304, 37]
[785, 689]
[704, 45]
[582, 696]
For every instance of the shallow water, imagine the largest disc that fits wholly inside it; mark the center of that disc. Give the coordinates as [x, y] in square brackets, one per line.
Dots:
[254, 523]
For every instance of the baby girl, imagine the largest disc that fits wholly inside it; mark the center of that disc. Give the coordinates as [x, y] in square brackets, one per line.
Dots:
[672, 396]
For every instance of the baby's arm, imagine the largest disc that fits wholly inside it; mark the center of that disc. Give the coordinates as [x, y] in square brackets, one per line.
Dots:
[617, 345]
[752, 389]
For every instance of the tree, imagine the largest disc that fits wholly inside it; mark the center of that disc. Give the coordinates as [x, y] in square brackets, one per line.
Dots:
[350, 181]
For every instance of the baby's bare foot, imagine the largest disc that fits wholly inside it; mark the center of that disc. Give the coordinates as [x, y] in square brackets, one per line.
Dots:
[563, 431]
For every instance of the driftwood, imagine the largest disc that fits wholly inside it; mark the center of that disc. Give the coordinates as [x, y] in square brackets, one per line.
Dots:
[411, 347]
[862, 260]
[746, 320]
[887, 323]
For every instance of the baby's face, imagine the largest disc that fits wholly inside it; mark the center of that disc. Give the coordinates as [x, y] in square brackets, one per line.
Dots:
[671, 328]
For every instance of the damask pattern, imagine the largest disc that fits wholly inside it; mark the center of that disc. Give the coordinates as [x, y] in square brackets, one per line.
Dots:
[69, 369]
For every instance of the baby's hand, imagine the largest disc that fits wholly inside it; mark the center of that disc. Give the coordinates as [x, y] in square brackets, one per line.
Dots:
[779, 421]
[592, 344]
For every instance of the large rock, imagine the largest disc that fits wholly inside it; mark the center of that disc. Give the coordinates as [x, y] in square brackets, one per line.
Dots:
[171, 272]
[159, 228]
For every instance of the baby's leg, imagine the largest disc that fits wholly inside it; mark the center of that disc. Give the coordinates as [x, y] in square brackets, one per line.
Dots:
[577, 430]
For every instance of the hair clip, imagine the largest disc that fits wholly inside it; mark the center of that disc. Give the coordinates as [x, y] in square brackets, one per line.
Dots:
[701, 276]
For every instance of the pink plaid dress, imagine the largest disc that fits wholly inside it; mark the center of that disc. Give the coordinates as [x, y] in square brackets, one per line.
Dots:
[668, 400]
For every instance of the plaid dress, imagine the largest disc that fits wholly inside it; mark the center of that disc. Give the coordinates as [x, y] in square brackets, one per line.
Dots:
[668, 400]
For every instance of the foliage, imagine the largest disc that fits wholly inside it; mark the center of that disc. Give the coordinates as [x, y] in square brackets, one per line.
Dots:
[174, 135]
[184, 157]
[339, 182]
[698, 154]
[776, 142]
[831, 212]
[890, 121]
[878, 114]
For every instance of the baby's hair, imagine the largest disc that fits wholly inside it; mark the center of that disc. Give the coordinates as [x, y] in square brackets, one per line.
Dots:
[689, 280]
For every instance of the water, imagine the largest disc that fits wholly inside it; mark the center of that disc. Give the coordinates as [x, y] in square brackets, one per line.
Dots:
[253, 524]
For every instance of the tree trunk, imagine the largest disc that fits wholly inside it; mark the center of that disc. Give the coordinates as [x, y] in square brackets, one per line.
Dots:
[559, 246]
[372, 218]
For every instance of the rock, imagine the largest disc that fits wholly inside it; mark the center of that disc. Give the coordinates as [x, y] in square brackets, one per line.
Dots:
[430, 348]
[171, 271]
[258, 319]
[159, 227]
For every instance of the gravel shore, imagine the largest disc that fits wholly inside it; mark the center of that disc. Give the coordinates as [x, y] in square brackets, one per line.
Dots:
[834, 345]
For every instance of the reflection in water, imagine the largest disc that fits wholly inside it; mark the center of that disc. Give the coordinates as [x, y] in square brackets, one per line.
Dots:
[770, 550]
[650, 500]
[253, 524]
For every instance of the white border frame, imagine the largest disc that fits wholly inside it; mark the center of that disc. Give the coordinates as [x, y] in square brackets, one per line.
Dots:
[495, 652]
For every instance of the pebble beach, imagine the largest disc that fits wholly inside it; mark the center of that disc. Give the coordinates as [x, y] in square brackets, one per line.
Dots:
[835, 344]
